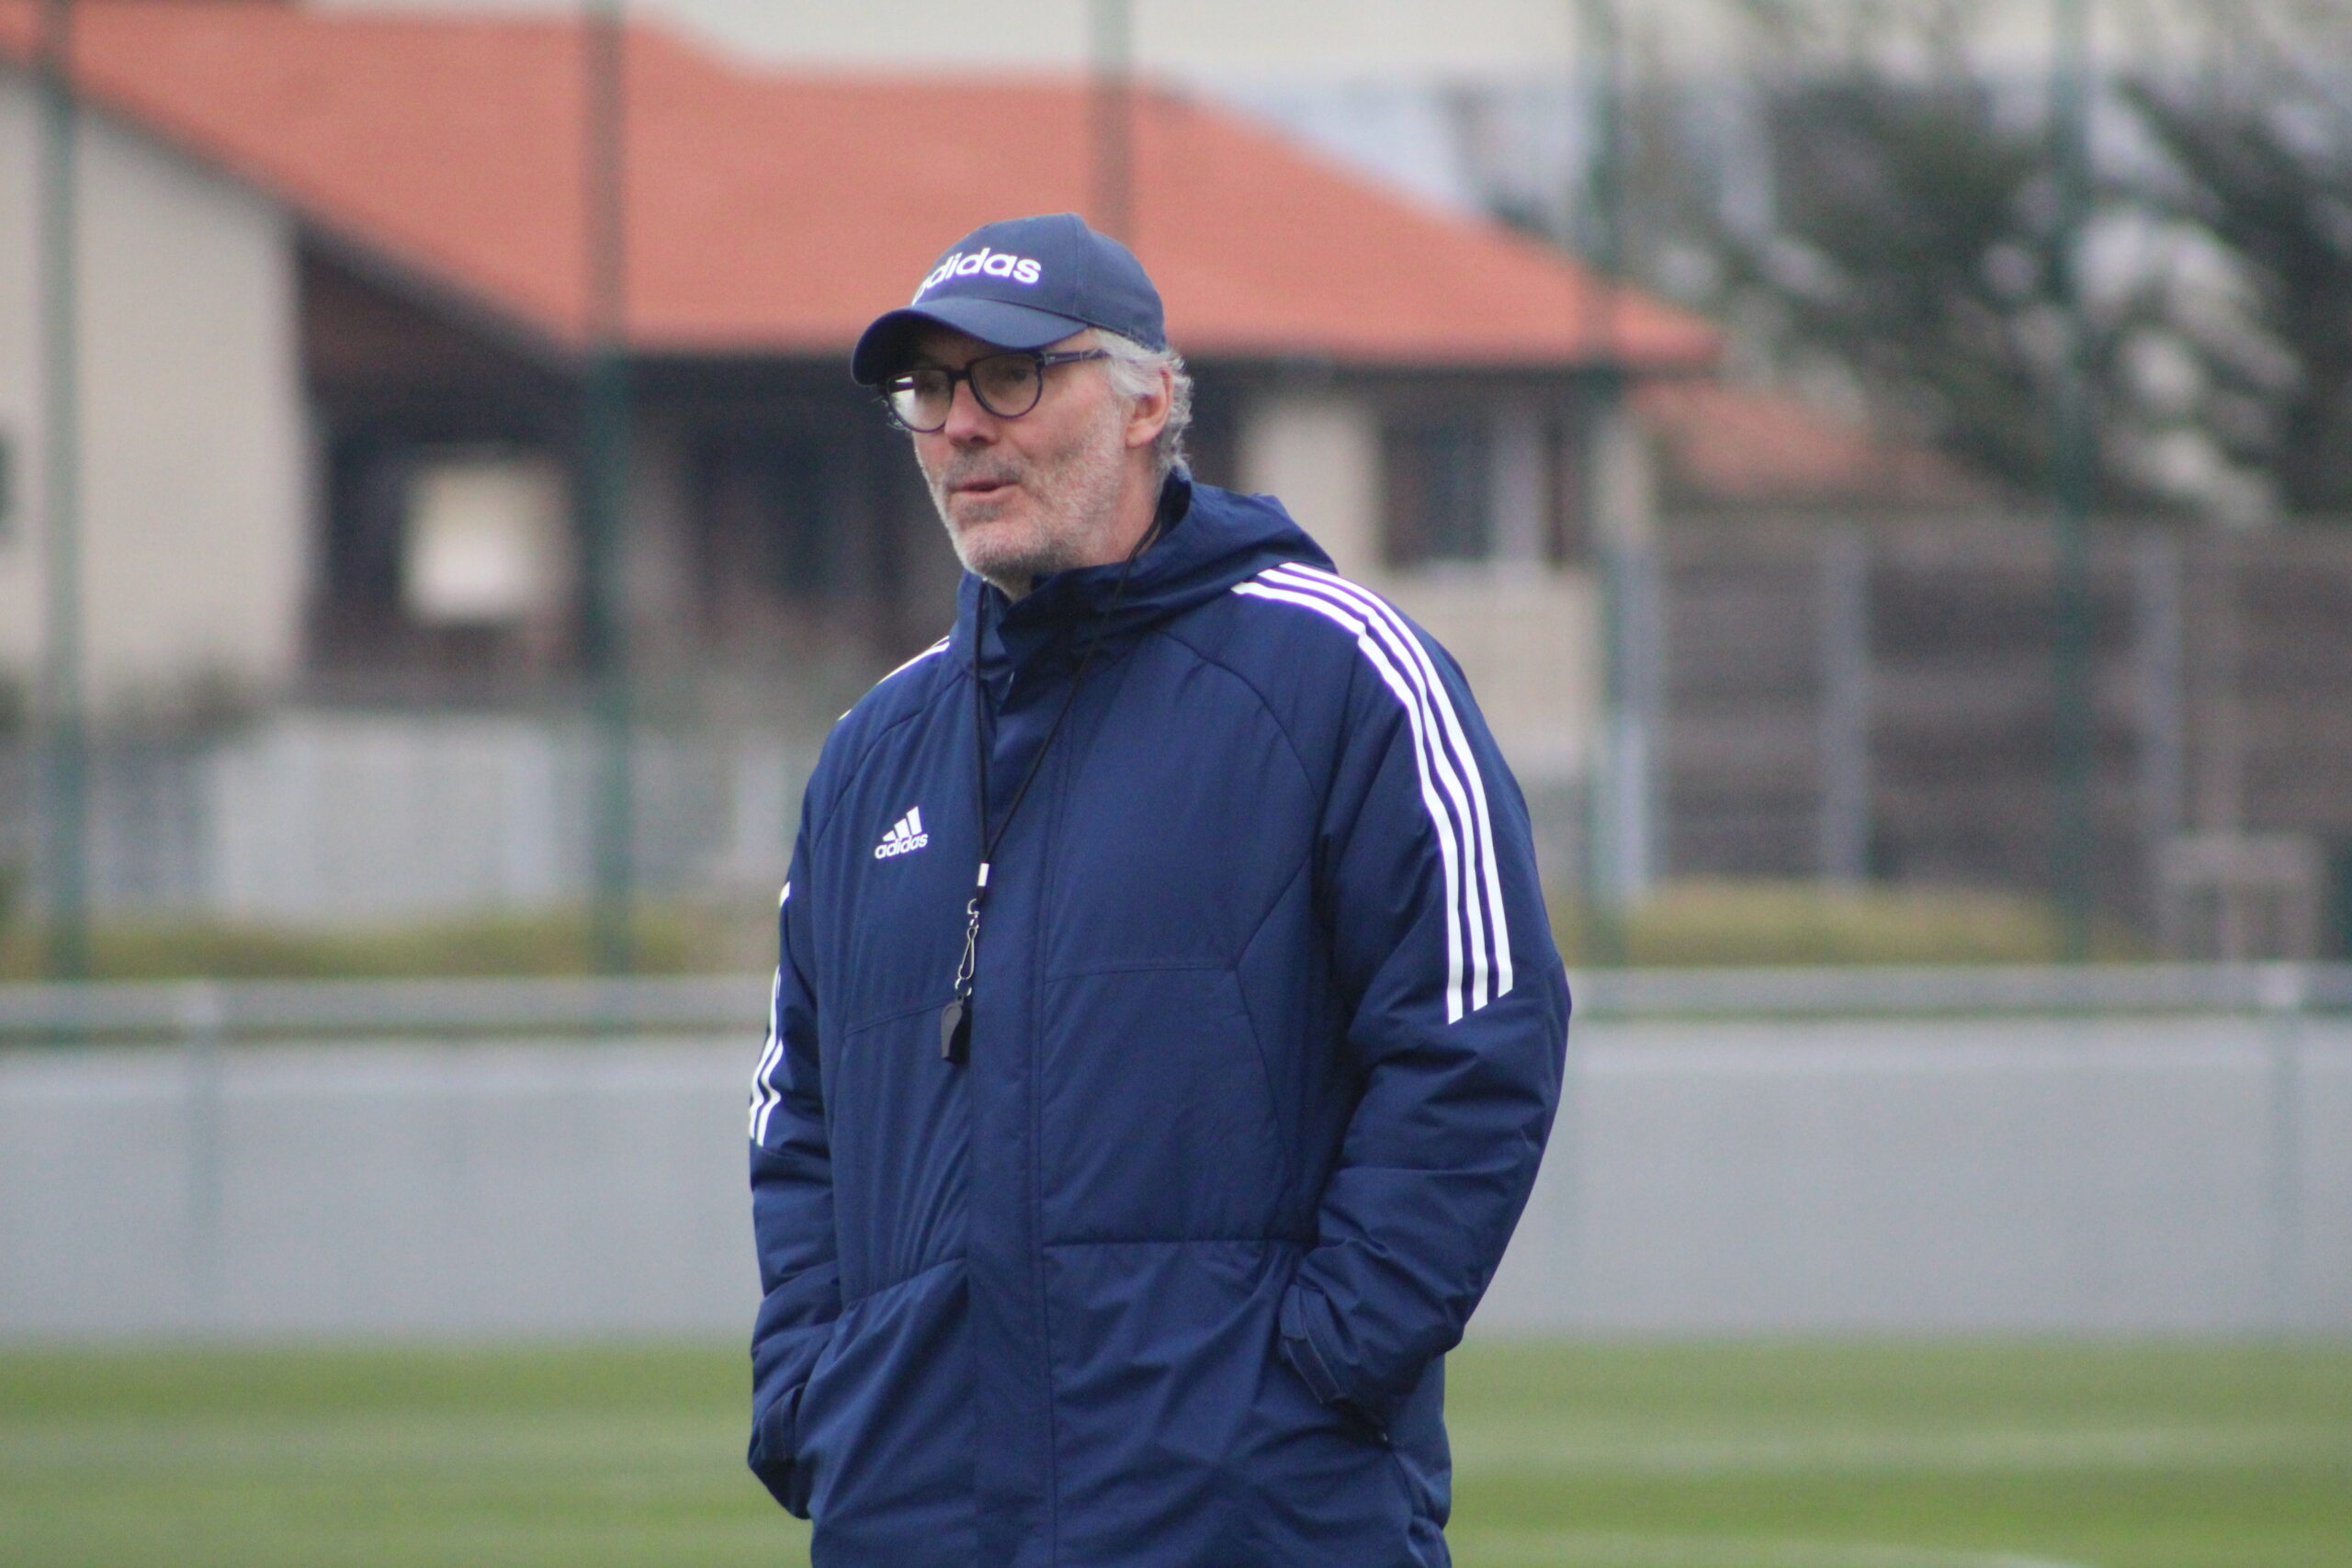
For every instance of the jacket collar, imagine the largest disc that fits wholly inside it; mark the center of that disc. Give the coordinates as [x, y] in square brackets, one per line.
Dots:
[1208, 540]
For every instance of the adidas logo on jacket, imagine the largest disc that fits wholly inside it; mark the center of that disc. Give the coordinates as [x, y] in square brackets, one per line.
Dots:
[905, 837]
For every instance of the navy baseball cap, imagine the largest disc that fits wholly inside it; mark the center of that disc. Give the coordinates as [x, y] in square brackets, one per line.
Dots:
[1022, 283]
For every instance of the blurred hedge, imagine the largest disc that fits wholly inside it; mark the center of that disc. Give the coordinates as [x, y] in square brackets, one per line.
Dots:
[671, 938]
[1708, 924]
[1685, 925]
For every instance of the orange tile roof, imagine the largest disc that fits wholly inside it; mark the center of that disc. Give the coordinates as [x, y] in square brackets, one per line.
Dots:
[778, 213]
[1734, 446]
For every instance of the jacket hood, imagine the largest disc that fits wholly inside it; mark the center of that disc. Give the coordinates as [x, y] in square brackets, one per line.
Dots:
[1210, 539]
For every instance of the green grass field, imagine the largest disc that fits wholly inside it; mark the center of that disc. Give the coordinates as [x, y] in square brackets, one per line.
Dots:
[1648, 1455]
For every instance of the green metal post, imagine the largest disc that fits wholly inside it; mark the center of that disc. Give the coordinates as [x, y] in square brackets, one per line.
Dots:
[1112, 51]
[65, 738]
[1605, 813]
[604, 479]
[2073, 474]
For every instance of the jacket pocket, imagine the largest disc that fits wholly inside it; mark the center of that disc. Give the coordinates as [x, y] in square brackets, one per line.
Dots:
[1413, 1433]
[1178, 1423]
[775, 1446]
[884, 1426]
[1302, 1346]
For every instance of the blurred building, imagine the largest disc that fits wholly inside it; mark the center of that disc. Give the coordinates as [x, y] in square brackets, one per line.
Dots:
[336, 318]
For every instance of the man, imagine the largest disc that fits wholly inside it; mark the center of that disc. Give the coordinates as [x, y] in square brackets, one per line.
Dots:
[1167, 1028]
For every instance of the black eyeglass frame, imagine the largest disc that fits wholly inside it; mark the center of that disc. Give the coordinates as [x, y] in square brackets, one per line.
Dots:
[1043, 360]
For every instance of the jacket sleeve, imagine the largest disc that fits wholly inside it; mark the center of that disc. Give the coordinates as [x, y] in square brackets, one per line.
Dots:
[792, 1207]
[1457, 1031]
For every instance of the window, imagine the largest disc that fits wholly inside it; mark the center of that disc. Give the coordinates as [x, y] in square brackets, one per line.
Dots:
[1437, 480]
[769, 538]
[1503, 481]
[483, 543]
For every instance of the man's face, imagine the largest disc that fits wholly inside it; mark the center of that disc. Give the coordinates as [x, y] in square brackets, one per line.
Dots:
[1025, 497]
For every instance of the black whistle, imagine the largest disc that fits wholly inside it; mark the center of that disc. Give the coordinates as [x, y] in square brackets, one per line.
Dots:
[955, 1033]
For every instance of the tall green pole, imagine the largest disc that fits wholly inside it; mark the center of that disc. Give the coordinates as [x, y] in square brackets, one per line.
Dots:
[1607, 813]
[64, 740]
[604, 479]
[2073, 474]
[1111, 49]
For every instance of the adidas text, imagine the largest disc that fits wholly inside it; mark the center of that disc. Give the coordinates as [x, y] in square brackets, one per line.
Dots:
[992, 264]
[905, 837]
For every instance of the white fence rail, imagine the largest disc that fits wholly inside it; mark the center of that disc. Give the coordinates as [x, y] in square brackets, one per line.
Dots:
[327, 817]
[2148, 1149]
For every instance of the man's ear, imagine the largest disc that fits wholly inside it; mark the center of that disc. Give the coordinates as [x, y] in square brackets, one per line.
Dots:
[1148, 413]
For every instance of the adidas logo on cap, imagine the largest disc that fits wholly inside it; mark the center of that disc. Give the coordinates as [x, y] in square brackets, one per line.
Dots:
[983, 262]
[905, 837]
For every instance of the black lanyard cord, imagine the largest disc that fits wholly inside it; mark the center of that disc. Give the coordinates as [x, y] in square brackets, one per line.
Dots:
[955, 1018]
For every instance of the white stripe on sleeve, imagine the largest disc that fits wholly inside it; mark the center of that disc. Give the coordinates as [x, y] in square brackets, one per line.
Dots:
[765, 1094]
[1441, 817]
[1452, 789]
[1406, 649]
[1488, 872]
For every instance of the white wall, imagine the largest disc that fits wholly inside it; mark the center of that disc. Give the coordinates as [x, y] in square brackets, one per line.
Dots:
[577, 1189]
[194, 513]
[1326, 37]
[331, 818]
[1877, 1175]
[1212, 39]
[350, 818]
[1318, 453]
[2151, 1175]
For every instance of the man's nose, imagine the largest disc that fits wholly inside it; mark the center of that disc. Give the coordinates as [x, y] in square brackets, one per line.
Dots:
[967, 421]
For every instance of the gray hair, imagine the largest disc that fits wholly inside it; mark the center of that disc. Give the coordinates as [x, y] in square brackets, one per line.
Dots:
[1134, 372]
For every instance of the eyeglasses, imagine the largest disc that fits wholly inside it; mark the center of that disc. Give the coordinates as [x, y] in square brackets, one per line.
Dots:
[1007, 385]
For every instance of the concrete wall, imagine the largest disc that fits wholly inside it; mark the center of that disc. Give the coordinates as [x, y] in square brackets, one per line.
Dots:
[1319, 452]
[2177, 1175]
[2186, 1175]
[334, 818]
[572, 1189]
[194, 456]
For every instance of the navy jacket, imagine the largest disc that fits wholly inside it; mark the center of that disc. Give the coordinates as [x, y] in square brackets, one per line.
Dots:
[1267, 1036]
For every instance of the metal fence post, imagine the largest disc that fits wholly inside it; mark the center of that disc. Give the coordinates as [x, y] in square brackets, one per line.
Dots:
[604, 431]
[64, 751]
[1845, 721]
[1569, 1123]
[2159, 637]
[2284, 992]
[202, 1010]
[1111, 51]
[2074, 476]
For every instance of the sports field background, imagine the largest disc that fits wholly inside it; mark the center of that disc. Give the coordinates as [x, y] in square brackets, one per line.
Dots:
[1641, 1455]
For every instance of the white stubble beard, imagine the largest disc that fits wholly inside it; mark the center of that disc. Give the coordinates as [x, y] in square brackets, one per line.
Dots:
[1072, 497]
